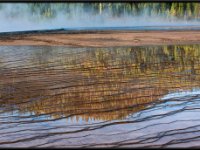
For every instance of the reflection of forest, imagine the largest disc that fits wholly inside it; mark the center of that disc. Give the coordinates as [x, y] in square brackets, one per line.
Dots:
[101, 83]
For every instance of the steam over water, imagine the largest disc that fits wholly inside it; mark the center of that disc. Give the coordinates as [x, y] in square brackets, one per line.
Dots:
[30, 16]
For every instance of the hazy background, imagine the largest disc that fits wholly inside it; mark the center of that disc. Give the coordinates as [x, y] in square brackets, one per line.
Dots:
[36, 16]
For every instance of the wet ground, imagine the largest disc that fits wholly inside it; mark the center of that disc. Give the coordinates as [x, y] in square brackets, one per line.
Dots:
[140, 96]
[102, 37]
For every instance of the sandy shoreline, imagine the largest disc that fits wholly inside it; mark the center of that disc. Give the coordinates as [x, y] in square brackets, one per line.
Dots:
[102, 38]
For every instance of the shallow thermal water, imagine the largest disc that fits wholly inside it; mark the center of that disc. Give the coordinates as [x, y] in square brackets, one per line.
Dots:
[100, 97]
[107, 28]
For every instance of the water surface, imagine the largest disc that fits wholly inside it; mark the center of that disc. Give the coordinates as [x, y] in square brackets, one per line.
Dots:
[58, 96]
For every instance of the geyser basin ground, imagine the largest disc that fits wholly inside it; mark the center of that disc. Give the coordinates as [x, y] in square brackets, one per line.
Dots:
[101, 38]
[61, 96]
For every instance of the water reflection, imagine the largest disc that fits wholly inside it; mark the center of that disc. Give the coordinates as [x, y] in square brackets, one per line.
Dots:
[93, 83]
[182, 94]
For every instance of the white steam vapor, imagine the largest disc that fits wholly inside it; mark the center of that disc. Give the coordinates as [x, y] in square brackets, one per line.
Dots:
[17, 17]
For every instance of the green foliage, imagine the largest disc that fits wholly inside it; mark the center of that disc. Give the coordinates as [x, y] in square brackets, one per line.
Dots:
[173, 9]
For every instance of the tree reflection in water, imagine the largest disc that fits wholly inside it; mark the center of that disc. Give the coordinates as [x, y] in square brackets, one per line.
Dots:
[93, 83]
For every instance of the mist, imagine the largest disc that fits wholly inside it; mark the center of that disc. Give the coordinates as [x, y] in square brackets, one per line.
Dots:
[19, 17]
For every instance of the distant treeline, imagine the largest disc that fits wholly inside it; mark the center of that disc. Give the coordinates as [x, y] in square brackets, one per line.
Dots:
[189, 10]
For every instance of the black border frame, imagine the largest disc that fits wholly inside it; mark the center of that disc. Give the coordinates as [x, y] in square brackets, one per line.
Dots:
[96, 1]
